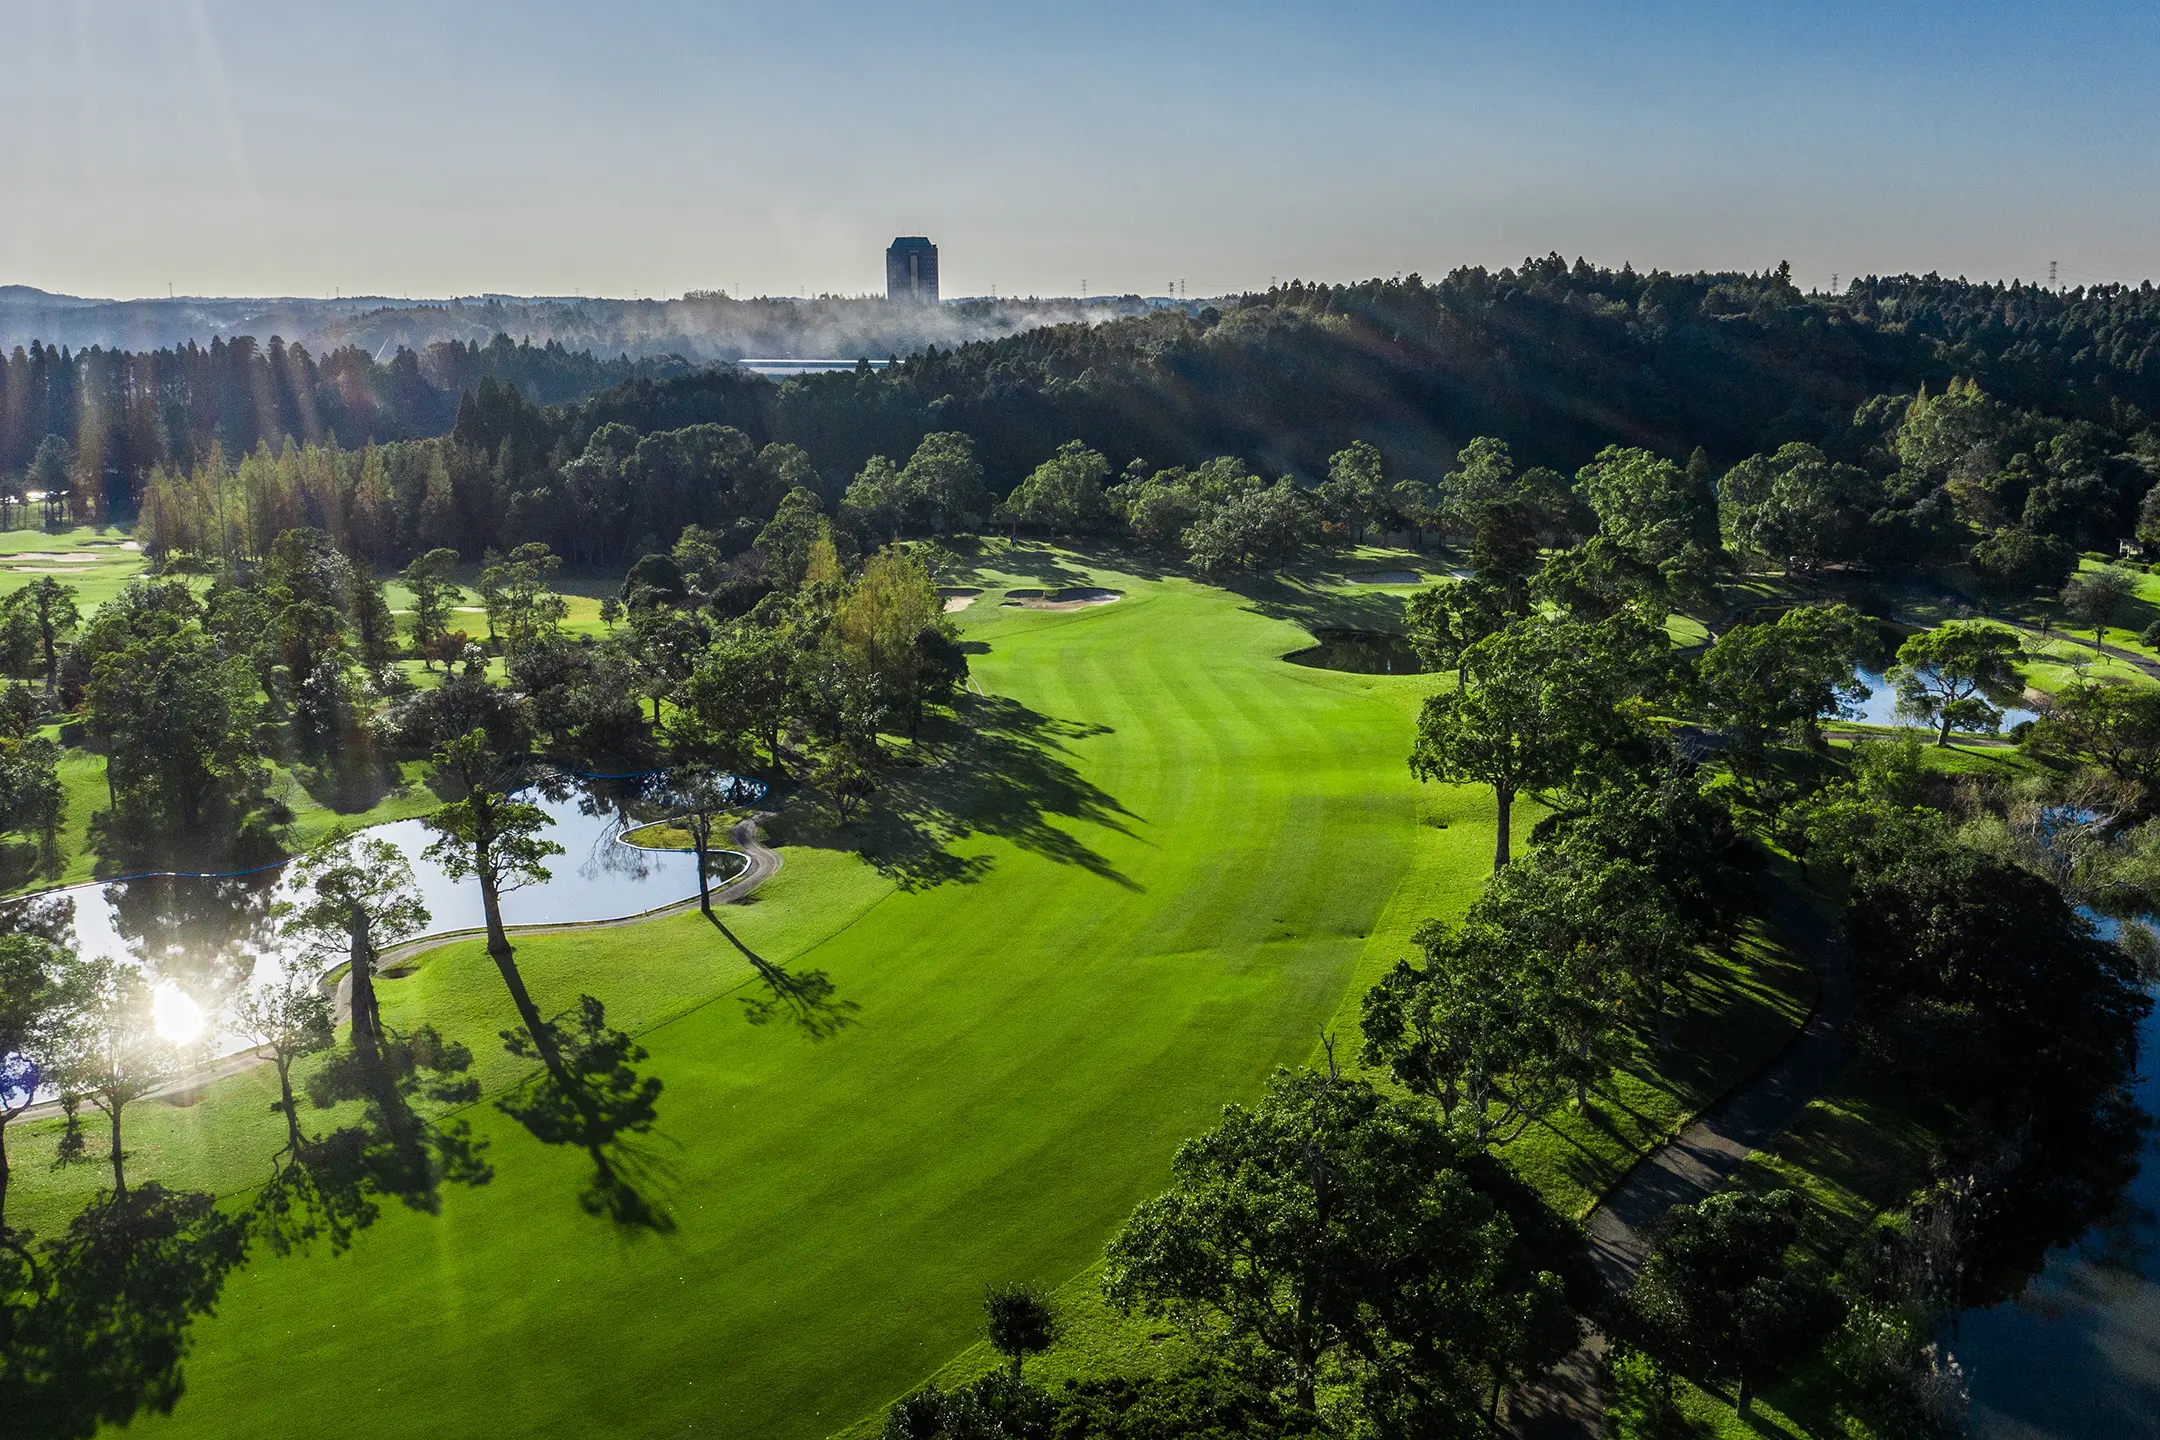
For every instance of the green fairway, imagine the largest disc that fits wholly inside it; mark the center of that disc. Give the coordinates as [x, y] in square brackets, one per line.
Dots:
[98, 562]
[1182, 847]
[1147, 876]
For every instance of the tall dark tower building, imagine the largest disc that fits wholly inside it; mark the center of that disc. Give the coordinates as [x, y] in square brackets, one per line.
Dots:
[911, 271]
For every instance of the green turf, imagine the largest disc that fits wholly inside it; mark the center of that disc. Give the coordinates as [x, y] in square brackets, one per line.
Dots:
[1183, 844]
[1160, 866]
[96, 561]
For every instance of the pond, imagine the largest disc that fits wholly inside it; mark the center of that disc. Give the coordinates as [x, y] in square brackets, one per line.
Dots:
[1880, 708]
[2077, 1353]
[1361, 652]
[205, 938]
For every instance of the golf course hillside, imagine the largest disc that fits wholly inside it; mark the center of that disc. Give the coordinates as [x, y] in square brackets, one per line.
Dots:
[1136, 876]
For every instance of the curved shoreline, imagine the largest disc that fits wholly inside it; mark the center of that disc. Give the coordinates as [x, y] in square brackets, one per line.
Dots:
[764, 864]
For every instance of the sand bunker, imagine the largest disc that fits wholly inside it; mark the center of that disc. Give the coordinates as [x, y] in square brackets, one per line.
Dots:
[53, 557]
[1073, 597]
[1385, 577]
[959, 597]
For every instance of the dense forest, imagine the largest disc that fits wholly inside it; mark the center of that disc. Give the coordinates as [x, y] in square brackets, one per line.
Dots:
[1556, 360]
[121, 414]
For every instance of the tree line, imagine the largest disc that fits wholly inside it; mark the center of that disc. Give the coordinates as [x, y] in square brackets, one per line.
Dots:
[1557, 360]
[96, 422]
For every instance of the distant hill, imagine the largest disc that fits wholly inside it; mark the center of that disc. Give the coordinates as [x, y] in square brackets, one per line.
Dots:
[697, 327]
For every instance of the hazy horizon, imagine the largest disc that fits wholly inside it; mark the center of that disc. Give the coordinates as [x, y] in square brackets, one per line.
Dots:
[243, 149]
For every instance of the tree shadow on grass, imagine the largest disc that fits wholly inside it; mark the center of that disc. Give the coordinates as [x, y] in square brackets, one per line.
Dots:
[1308, 599]
[998, 768]
[349, 784]
[1050, 561]
[806, 999]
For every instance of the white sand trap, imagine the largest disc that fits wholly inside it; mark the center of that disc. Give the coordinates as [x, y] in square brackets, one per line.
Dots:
[53, 557]
[1385, 577]
[1074, 597]
[959, 597]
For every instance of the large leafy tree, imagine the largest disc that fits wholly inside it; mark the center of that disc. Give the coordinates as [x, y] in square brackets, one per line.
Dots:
[1541, 705]
[1663, 515]
[2116, 727]
[2097, 597]
[941, 486]
[1258, 526]
[521, 607]
[434, 596]
[48, 612]
[1721, 1296]
[1797, 507]
[1956, 675]
[1977, 974]
[737, 691]
[1330, 1235]
[108, 1050]
[1476, 1028]
[1064, 494]
[886, 627]
[589, 1094]
[1444, 621]
[177, 718]
[1355, 492]
[2013, 562]
[1672, 829]
[1786, 675]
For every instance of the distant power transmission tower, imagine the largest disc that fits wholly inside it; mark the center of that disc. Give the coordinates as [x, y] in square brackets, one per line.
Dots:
[1833, 282]
[2051, 274]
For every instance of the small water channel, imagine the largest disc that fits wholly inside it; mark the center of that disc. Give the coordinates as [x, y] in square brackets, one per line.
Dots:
[209, 937]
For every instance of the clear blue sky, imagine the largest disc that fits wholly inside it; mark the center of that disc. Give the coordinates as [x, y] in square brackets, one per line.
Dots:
[542, 147]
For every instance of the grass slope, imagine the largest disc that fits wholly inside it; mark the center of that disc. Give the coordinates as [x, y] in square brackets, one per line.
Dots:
[1181, 848]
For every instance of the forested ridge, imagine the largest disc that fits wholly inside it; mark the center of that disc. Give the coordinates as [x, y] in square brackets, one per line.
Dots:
[1557, 359]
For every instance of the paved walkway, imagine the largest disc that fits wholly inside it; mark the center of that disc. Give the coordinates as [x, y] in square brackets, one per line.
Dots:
[1570, 1404]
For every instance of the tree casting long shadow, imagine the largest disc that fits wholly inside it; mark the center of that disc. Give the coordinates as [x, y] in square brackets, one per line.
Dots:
[806, 999]
[1001, 769]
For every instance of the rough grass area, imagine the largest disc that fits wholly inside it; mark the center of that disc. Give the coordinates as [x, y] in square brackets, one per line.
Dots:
[664, 836]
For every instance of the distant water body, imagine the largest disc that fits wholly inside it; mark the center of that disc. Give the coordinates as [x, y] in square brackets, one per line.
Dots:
[784, 368]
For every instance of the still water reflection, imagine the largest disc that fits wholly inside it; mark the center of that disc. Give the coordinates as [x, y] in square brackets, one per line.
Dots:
[2077, 1353]
[1880, 708]
[210, 936]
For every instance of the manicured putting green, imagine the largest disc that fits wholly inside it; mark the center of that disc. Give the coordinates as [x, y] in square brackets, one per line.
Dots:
[1184, 846]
